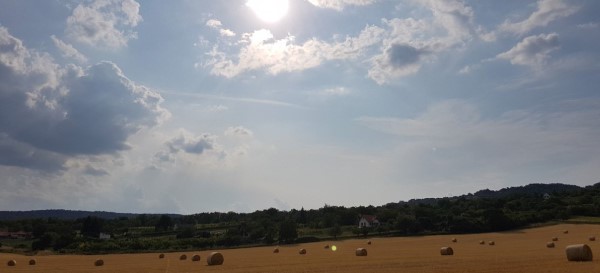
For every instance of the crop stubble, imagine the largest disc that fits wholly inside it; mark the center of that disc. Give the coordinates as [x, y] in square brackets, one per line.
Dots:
[515, 251]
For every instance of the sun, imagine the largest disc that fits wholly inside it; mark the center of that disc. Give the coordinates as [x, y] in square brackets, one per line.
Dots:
[269, 11]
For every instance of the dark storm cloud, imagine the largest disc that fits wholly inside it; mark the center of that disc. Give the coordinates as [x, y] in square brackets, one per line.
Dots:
[103, 108]
[55, 112]
[89, 170]
[14, 153]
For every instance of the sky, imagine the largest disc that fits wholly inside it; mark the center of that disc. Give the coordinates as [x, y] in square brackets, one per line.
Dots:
[241, 105]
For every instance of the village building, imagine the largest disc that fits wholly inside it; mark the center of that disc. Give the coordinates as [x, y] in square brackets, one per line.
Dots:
[367, 221]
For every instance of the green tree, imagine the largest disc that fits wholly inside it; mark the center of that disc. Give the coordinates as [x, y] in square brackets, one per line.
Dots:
[164, 223]
[92, 226]
[288, 231]
[47, 240]
[335, 231]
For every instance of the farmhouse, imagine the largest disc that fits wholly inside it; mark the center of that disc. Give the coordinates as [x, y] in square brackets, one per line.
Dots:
[368, 221]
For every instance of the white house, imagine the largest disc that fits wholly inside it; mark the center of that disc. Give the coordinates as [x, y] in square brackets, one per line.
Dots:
[368, 221]
[104, 236]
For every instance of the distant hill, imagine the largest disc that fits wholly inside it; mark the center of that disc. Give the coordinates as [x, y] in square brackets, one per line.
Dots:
[65, 214]
[531, 189]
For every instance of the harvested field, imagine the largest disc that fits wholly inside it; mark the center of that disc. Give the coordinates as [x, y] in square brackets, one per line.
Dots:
[515, 251]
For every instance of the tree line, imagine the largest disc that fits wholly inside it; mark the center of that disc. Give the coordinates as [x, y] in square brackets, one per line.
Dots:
[463, 214]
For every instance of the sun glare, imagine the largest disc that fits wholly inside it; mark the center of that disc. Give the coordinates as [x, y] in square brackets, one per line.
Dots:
[269, 10]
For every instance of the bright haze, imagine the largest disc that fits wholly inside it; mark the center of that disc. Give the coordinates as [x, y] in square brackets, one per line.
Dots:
[192, 106]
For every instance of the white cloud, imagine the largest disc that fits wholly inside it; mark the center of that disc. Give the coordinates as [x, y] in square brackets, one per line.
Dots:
[468, 69]
[450, 26]
[186, 142]
[261, 50]
[339, 5]
[336, 91]
[104, 23]
[68, 51]
[216, 24]
[453, 15]
[547, 11]
[589, 25]
[410, 43]
[533, 50]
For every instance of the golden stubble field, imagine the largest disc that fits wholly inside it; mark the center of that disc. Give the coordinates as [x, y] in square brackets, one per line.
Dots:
[516, 251]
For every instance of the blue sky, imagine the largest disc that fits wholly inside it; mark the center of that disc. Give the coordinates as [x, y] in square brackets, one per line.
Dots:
[191, 106]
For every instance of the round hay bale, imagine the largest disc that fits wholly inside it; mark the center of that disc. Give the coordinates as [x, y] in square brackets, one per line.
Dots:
[302, 251]
[592, 238]
[215, 258]
[554, 239]
[482, 242]
[326, 246]
[550, 244]
[32, 262]
[369, 242]
[183, 257]
[196, 258]
[99, 262]
[454, 240]
[161, 256]
[566, 232]
[12, 263]
[491, 243]
[361, 252]
[276, 250]
[579, 253]
[446, 251]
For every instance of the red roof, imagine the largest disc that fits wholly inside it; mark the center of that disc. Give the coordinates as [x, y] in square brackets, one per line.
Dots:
[369, 218]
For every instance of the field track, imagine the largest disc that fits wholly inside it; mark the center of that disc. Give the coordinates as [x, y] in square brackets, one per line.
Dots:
[522, 251]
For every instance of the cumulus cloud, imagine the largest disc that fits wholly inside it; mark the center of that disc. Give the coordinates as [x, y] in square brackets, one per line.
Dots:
[412, 42]
[339, 5]
[453, 15]
[216, 24]
[205, 149]
[191, 144]
[532, 51]
[68, 51]
[104, 23]
[50, 113]
[261, 50]
[547, 11]
[398, 60]
[404, 44]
